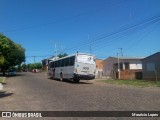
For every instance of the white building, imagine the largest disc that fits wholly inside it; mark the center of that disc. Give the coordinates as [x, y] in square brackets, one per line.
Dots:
[45, 61]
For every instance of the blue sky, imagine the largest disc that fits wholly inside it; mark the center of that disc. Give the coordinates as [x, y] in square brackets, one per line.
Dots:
[78, 25]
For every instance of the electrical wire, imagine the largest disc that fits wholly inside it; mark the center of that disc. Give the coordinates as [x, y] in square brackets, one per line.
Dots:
[118, 34]
[119, 31]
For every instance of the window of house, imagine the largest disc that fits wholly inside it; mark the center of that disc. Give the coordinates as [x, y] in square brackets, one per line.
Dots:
[121, 66]
[150, 66]
[126, 65]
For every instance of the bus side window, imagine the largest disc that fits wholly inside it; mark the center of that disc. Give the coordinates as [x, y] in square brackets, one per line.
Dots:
[56, 64]
[62, 62]
[52, 65]
[72, 60]
[66, 61]
[59, 63]
[49, 66]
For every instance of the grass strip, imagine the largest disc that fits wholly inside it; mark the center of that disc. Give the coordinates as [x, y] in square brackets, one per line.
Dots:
[138, 83]
[2, 79]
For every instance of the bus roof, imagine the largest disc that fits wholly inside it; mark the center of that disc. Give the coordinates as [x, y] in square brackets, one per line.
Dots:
[71, 56]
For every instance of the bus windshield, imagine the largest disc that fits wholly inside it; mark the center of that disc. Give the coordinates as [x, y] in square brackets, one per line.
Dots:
[86, 59]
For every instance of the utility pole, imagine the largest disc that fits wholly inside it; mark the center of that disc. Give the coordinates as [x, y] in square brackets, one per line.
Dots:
[90, 49]
[90, 44]
[61, 51]
[118, 56]
[55, 48]
[119, 72]
[34, 57]
[121, 51]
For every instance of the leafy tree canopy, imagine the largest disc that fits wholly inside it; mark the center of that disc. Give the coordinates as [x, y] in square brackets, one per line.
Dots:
[62, 55]
[11, 54]
[35, 66]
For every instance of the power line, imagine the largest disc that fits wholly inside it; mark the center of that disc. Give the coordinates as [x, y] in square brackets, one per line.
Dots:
[39, 56]
[119, 31]
[124, 35]
[143, 24]
[127, 44]
[142, 37]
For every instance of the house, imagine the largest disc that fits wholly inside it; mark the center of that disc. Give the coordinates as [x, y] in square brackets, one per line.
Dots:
[99, 68]
[151, 67]
[45, 62]
[129, 67]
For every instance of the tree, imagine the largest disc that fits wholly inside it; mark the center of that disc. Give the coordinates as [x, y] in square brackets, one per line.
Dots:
[38, 65]
[30, 66]
[1, 59]
[35, 66]
[19, 68]
[11, 54]
[62, 55]
[24, 67]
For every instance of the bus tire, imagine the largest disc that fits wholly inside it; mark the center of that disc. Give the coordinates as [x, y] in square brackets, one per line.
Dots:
[76, 80]
[61, 77]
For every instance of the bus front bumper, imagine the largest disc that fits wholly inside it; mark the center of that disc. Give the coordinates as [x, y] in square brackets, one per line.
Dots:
[84, 77]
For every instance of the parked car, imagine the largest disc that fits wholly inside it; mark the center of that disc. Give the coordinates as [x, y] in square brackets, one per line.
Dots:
[25, 70]
[12, 72]
[35, 70]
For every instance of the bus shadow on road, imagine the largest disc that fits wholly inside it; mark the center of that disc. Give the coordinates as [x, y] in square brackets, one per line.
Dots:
[71, 81]
[80, 82]
[4, 94]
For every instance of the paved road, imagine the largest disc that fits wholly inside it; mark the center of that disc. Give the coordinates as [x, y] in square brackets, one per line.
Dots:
[35, 92]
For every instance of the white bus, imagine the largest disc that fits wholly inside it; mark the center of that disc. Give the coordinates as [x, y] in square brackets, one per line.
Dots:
[76, 67]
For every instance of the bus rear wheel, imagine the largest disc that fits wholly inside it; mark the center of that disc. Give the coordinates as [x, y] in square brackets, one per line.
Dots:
[76, 80]
[61, 77]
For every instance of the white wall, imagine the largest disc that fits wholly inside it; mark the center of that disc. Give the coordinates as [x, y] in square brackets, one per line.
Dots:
[135, 65]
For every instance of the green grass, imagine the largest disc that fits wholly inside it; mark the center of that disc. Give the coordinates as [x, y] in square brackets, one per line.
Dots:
[2, 79]
[138, 83]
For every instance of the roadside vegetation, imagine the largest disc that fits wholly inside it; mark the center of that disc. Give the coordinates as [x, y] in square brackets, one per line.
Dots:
[62, 55]
[29, 67]
[11, 54]
[137, 83]
[2, 79]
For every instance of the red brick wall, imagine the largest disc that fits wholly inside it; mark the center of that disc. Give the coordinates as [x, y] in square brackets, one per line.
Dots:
[99, 64]
[130, 74]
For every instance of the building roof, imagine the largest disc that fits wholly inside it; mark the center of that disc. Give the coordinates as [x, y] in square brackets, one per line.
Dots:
[126, 58]
[157, 53]
[131, 58]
